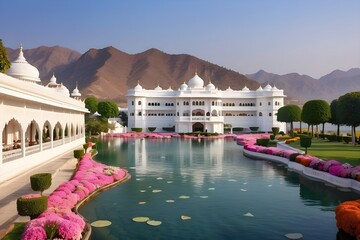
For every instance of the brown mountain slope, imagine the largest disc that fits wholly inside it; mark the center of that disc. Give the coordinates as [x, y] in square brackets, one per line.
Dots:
[108, 73]
[47, 59]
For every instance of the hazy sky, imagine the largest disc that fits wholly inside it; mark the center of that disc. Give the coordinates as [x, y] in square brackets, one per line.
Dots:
[312, 37]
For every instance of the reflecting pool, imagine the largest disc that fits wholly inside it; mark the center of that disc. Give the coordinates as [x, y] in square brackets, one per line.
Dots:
[227, 195]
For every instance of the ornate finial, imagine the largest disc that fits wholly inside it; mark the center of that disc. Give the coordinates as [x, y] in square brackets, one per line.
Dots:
[76, 84]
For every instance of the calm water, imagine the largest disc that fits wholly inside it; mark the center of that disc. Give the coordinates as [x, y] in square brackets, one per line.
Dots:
[223, 186]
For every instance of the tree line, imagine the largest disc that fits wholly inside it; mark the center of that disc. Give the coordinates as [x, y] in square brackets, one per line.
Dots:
[342, 111]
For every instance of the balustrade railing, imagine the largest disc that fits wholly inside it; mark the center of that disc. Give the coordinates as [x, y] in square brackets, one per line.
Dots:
[12, 155]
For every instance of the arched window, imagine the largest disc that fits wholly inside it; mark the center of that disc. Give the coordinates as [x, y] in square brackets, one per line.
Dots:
[260, 104]
[139, 103]
[260, 114]
[269, 103]
[270, 114]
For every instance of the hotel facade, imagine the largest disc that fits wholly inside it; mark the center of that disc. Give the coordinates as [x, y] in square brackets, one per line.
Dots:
[195, 107]
[38, 122]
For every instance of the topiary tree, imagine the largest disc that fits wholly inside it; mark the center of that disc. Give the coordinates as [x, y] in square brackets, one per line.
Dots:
[289, 114]
[4, 59]
[31, 206]
[40, 182]
[349, 111]
[275, 130]
[335, 118]
[305, 142]
[316, 112]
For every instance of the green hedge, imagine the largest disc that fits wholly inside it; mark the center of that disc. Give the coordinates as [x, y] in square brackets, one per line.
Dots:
[263, 142]
[275, 130]
[31, 207]
[254, 129]
[136, 129]
[169, 129]
[151, 129]
[40, 182]
[331, 138]
[78, 153]
[238, 129]
[272, 137]
[347, 139]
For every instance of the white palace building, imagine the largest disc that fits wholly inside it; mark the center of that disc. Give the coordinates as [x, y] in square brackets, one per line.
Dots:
[195, 107]
[38, 122]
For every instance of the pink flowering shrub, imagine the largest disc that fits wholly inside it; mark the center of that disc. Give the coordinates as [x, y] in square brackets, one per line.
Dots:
[59, 221]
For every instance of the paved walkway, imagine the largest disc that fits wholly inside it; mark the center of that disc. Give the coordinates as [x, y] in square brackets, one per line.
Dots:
[61, 168]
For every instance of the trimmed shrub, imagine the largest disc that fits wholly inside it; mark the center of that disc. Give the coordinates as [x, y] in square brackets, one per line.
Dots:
[31, 207]
[275, 130]
[293, 156]
[78, 153]
[272, 137]
[254, 129]
[263, 142]
[282, 133]
[238, 129]
[136, 129]
[331, 138]
[169, 129]
[85, 146]
[151, 129]
[305, 141]
[339, 138]
[40, 182]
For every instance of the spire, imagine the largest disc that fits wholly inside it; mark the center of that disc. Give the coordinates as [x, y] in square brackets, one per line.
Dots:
[21, 54]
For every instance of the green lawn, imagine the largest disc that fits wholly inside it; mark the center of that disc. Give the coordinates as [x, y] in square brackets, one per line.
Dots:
[346, 153]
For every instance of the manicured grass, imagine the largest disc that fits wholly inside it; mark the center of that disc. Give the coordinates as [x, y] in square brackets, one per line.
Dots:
[345, 153]
[16, 232]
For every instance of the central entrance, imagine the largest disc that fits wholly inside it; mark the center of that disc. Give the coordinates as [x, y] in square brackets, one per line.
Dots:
[198, 127]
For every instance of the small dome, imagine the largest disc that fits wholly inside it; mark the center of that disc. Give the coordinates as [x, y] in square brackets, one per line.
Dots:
[138, 87]
[52, 82]
[76, 92]
[63, 90]
[229, 89]
[245, 89]
[259, 89]
[274, 88]
[183, 86]
[158, 88]
[196, 82]
[21, 69]
[267, 88]
[169, 89]
[210, 86]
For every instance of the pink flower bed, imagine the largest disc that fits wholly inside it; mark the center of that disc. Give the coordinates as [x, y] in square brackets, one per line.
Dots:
[333, 167]
[90, 176]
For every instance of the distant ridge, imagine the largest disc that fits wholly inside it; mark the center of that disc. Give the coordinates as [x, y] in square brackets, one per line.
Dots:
[107, 73]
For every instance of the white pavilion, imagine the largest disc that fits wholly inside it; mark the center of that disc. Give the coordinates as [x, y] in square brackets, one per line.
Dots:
[195, 107]
[38, 122]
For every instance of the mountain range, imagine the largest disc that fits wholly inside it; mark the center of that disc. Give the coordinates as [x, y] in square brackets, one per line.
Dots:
[108, 73]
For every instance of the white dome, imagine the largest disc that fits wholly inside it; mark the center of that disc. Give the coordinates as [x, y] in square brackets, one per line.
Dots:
[52, 82]
[76, 92]
[183, 86]
[259, 89]
[267, 88]
[21, 69]
[210, 86]
[63, 90]
[158, 88]
[245, 89]
[229, 89]
[169, 89]
[196, 82]
[138, 87]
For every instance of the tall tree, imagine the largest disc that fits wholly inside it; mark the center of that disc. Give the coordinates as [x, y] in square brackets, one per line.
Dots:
[289, 114]
[316, 112]
[4, 59]
[108, 109]
[349, 111]
[91, 103]
[335, 119]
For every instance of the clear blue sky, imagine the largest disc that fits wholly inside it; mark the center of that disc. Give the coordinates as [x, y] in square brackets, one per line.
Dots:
[312, 37]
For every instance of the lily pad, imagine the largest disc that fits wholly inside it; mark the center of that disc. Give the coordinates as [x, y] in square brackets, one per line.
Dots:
[156, 190]
[183, 217]
[154, 223]
[294, 235]
[101, 223]
[184, 197]
[141, 219]
[248, 215]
